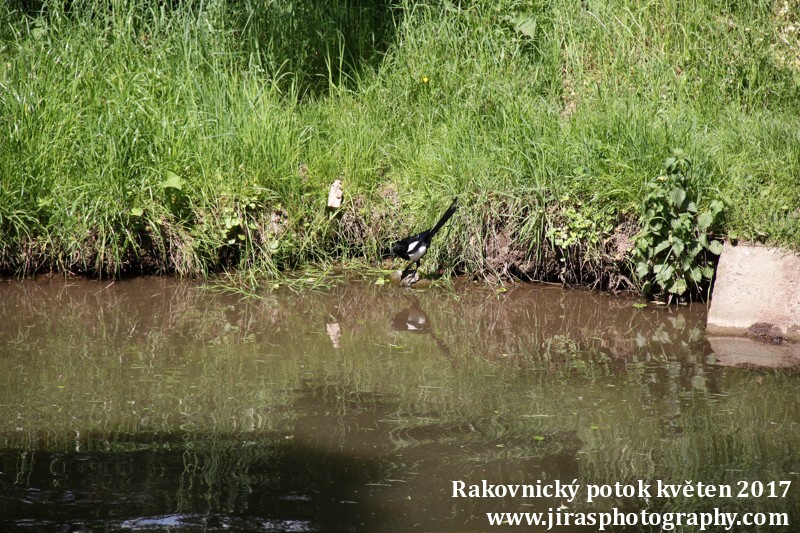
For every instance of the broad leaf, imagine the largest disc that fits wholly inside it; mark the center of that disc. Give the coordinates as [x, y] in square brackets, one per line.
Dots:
[172, 181]
[679, 287]
[705, 220]
[663, 272]
[677, 196]
[663, 245]
[525, 25]
[715, 247]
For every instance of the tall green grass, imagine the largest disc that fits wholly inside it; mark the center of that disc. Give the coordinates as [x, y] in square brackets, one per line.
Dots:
[194, 137]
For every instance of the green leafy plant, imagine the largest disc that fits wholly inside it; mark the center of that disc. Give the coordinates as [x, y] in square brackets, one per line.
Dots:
[175, 196]
[675, 251]
[578, 223]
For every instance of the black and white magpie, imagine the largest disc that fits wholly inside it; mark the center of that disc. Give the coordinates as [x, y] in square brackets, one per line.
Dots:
[414, 247]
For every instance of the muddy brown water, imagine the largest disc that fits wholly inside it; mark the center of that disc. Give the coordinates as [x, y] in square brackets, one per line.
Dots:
[152, 404]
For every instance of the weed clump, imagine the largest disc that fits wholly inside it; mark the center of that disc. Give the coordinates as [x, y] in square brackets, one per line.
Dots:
[676, 249]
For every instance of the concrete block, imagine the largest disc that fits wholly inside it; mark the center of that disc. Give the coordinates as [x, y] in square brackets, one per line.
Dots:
[756, 293]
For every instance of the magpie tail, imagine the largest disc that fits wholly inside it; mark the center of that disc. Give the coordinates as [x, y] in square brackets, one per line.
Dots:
[444, 219]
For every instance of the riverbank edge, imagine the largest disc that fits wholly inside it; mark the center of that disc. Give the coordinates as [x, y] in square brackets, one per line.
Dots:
[266, 245]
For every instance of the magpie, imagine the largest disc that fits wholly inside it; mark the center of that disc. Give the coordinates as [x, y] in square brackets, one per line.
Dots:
[414, 247]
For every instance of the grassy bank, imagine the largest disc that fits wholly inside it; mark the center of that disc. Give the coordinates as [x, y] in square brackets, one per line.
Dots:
[194, 137]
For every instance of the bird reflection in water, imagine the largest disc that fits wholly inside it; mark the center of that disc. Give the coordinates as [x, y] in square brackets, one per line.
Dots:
[413, 319]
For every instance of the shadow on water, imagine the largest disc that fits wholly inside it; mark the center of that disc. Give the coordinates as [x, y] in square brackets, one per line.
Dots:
[283, 488]
[150, 404]
[280, 482]
[314, 478]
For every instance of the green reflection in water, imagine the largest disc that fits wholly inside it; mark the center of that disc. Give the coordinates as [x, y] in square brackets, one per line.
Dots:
[358, 406]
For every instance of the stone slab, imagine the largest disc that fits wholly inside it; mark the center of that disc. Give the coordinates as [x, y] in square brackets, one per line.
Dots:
[756, 292]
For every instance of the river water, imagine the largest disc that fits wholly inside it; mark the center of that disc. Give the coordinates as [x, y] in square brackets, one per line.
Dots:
[155, 404]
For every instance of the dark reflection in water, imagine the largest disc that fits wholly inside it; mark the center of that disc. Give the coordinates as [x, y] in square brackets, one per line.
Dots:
[414, 320]
[155, 405]
[214, 482]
